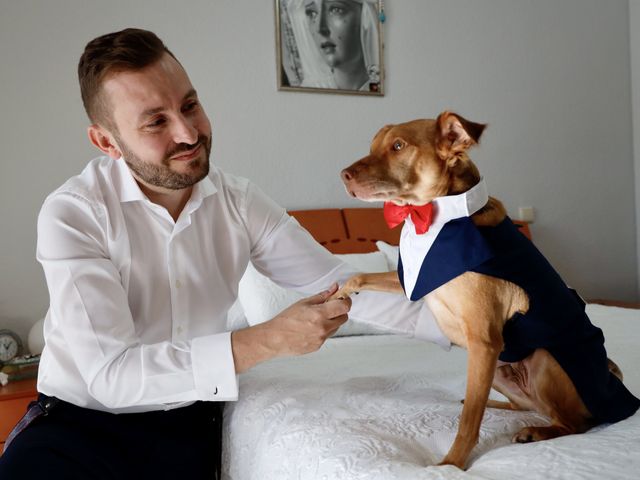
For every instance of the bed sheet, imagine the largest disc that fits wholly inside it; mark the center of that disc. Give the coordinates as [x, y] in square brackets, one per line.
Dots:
[387, 407]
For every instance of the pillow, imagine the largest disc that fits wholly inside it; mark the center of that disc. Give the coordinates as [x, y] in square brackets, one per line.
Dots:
[262, 299]
[391, 253]
[372, 262]
[236, 318]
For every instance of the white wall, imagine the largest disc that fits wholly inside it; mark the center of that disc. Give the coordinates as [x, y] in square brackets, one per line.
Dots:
[551, 77]
[634, 24]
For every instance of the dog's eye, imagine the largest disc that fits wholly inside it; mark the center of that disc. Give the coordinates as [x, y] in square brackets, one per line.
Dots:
[398, 145]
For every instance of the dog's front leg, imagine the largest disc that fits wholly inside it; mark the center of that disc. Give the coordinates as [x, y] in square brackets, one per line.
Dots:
[482, 361]
[378, 282]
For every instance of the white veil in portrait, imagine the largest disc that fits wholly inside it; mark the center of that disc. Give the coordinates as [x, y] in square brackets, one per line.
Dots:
[315, 71]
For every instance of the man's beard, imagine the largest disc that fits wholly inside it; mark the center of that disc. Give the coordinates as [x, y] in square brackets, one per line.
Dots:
[162, 175]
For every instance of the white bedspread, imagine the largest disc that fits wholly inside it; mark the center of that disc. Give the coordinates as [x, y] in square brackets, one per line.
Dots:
[386, 407]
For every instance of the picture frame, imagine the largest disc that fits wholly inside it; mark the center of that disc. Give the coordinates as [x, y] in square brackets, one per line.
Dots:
[329, 46]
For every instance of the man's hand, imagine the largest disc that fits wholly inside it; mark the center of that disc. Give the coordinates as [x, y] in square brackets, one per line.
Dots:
[301, 328]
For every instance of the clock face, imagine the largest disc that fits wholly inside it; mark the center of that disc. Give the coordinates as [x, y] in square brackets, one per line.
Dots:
[9, 345]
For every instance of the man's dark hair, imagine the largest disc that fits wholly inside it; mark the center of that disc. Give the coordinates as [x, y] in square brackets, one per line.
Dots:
[129, 49]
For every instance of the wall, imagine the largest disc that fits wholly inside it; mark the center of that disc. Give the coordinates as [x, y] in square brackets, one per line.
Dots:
[551, 77]
[634, 29]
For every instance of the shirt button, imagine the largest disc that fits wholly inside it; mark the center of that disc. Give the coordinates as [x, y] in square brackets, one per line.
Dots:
[178, 284]
[179, 330]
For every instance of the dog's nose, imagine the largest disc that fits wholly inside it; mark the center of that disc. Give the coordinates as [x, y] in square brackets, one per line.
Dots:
[346, 175]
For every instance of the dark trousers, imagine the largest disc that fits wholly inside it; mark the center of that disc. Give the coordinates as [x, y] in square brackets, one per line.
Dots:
[71, 442]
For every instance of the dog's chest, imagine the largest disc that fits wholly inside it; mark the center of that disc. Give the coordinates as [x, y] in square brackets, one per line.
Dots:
[450, 325]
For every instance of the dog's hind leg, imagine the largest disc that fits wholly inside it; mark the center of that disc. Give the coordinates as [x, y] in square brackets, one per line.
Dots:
[502, 405]
[615, 369]
[535, 434]
[549, 391]
[511, 380]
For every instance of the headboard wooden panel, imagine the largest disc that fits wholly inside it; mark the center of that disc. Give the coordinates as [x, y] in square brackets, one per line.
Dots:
[354, 230]
[327, 226]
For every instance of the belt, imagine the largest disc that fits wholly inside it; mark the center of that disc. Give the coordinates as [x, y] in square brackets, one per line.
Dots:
[37, 408]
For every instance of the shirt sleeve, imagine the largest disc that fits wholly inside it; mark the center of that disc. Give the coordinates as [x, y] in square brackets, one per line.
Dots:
[288, 254]
[89, 309]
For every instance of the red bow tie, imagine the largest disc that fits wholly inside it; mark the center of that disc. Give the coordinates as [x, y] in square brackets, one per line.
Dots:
[420, 215]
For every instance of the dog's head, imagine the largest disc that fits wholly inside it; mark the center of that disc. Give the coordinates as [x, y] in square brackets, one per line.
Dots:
[414, 162]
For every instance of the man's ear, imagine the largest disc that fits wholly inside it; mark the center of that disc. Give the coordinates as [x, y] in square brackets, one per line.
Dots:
[104, 141]
[456, 134]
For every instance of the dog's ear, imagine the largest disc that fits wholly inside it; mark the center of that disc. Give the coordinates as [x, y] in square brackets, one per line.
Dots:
[456, 134]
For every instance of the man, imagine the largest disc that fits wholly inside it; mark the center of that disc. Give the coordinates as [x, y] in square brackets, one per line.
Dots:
[142, 254]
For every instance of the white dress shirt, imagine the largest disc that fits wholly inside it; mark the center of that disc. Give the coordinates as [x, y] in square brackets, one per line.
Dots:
[138, 301]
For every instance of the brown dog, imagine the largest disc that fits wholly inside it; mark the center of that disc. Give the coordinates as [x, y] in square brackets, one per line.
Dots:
[416, 162]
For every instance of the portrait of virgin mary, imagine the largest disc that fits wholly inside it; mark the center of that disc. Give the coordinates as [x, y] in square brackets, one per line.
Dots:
[330, 44]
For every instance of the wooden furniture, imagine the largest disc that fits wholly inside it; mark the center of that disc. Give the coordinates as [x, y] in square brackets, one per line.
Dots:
[14, 399]
[347, 230]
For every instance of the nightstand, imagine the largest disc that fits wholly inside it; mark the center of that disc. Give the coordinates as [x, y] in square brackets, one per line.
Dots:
[14, 399]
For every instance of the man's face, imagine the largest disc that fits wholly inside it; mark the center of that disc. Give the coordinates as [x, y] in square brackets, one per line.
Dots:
[160, 129]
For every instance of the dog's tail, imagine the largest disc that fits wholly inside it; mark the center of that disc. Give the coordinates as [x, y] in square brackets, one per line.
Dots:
[615, 369]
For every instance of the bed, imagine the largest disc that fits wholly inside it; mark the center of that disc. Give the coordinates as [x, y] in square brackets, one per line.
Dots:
[369, 405]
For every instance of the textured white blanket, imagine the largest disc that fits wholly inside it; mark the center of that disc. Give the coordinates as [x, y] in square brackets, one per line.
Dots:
[386, 407]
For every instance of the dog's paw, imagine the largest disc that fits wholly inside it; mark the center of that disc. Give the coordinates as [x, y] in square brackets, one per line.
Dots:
[342, 294]
[535, 434]
[523, 436]
[351, 287]
[449, 461]
[528, 435]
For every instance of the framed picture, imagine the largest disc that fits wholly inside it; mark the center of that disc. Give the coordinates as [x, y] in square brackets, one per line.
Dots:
[332, 46]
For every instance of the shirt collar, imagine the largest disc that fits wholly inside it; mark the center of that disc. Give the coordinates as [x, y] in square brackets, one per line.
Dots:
[465, 204]
[128, 189]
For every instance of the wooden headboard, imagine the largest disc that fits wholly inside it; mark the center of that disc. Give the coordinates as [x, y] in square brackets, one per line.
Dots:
[354, 230]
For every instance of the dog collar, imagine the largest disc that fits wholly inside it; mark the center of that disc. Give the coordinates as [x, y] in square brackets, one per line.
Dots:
[465, 204]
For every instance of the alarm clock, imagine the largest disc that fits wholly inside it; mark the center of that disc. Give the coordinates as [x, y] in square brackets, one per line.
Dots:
[10, 345]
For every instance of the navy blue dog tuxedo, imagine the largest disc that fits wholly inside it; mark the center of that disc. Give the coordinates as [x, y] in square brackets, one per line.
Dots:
[556, 319]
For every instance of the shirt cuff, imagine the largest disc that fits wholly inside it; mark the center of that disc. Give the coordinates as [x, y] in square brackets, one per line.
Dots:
[427, 328]
[214, 371]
